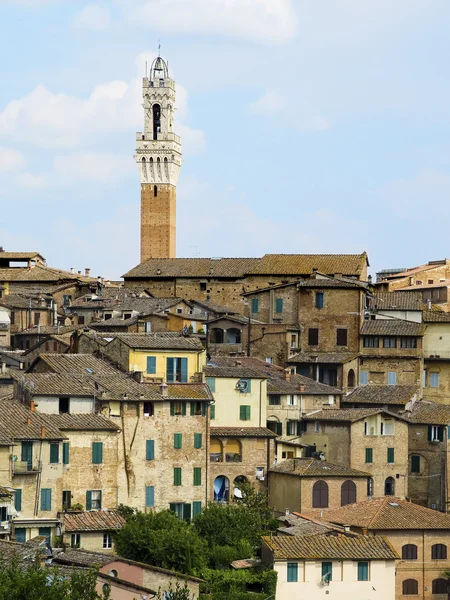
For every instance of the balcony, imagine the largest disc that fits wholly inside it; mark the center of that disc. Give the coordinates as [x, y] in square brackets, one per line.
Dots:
[436, 354]
[233, 457]
[216, 457]
[23, 467]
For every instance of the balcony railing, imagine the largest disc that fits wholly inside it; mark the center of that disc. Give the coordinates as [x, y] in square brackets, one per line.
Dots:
[23, 467]
[233, 457]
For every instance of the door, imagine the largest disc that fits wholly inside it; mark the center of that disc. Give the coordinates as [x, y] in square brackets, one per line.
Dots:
[20, 534]
[46, 532]
[27, 454]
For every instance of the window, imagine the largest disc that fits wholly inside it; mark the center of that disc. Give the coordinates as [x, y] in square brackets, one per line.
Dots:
[278, 305]
[178, 408]
[254, 305]
[292, 400]
[369, 487]
[66, 499]
[197, 476]
[54, 453]
[211, 383]
[313, 336]
[198, 409]
[372, 341]
[274, 400]
[292, 572]
[97, 453]
[20, 534]
[316, 427]
[150, 496]
[151, 365]
[148, 409]
[351, 378]
[389, 487]
[177, 476]
[27, 454]
[155, 191]
[244, 413]
[320, 494]
[434, 380]
[75, 540]
[410, 587]
[64, 405]
[107, 316]
[181, 509]
[197, 440]
[107, 541]
[37, 318]
[439, 552]
[341, 337]
[177, 441]
[18, 500]
[363, 570]
[293, 428]
[363, 377]
[148, 326]
[439, 586]
[293, 340]
[327, 572]
[46, 499]
[409, 552]
[390, 456]
[348, 493]
[435, 433]
[93, 500]
[392, 378]
[408, 342]
[113, 573]
[415, 464]
[212, 412]
[369, 456]
[177, 370]
[150, 450]
[389, 342]
[203, 286]
[196, 508]
[269, 360]
[12, 316]
[81, 319]
[319, 299]
[387, 427]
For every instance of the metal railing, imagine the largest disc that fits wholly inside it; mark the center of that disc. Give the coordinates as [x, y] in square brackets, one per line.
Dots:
[23, 467]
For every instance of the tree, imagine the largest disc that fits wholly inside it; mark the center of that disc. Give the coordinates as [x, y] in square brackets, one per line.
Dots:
[162, 540]
[179, 593]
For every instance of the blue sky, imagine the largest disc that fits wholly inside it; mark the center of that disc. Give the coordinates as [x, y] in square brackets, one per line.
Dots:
[307, 126]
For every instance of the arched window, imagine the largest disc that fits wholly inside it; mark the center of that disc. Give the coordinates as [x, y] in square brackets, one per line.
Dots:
[144, 167]
[348, 492]
[156, 120]
[239, 480]
[221, 489]
[439, 552]
[233, 452]
[410, 587]
[389, 486]
[113, 573]
[217, 335]
[439, 586]
[409, 552]
[351, 378]
[215, 451]
[155, 190]
[320, 494]
[370, 487]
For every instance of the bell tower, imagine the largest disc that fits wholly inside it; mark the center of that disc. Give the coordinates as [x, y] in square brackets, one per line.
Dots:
[158, 157]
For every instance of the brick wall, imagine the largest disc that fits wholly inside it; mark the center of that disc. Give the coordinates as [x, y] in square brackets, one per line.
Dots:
[158, 221]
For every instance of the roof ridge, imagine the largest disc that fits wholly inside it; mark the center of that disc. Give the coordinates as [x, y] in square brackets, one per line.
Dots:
[382, 505]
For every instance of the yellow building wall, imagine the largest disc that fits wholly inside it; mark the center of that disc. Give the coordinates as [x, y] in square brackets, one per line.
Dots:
[138, 361]
[228, 401]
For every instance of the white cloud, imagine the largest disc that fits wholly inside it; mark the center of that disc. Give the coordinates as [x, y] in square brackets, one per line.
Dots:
[92, 166]
[269, 102]
[11, 160]
[96, 17]
[28, 180]
[264, 20]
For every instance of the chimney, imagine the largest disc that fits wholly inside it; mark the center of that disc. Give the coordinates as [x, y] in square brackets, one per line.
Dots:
[32, 406]
[164, 388]
[286, 512]
[28, 421]
[138, 376]
[72, 270]
[287, 376]
[302, 388]
[79, 272]
[87, 272]
[411, 281]
[32, 264]
[42, 430]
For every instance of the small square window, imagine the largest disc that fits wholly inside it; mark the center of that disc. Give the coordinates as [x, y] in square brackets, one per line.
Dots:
[107, 541]
[75, 540]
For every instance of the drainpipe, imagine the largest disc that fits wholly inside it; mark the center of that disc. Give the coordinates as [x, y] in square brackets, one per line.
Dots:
[260, 400]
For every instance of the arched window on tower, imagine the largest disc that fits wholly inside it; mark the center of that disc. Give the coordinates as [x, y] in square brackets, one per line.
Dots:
[144, 167]
[156, 121]
[155, 190]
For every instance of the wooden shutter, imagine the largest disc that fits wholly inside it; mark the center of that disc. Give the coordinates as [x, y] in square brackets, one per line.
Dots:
[197, 440]
[204, 409]
[313, 337]
[177, 441]
[327, 571]
[54, 453]
[415, 464]
[65, 453]
[196, 508]
[319, 299]
[197, 476]
[169, 369]
[150, 450]
[369, 455]
[97, 453]
[183, 409]
[150, 496]
[292, 572]
[46, 499]
[279, 305]
[410, 587]
[186, 511]
[279, 428]
[363, 571]
[151, 365]
[348, 493]
[320, 494]
[255, 305]
[390, 455]
[89, 500]
[242, 413]
[288, 428]
[212, 411]
[184, 369]
[409, 552]
[18, 500]
[172, 409]
[177, 476]
[211, 382]
[192, 408]
[341, 337]
[441, 433]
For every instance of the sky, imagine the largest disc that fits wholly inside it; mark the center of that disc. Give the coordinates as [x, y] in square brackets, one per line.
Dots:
[318, 126]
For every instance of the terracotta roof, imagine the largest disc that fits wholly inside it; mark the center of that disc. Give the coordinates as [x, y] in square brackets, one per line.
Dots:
[269, 264]
[47, 330]
[20, 255]
[281, 386]
[160, 341]
[75, 363]
[322, 357]
[40, 273]
[296, 524]
[314, 467]
[183, 391]
[213, 308]
[396, 301]
[436, 316]
[232, 372]
[350, 415]
[83, 558]
[331, 545]
[331, 282]
[431, 265]
[391, 327]
[82, 422]
[388, 513]
[431, 413]
[20, 423]
[16, 301]
[93, 520]
[381, 394]
[242, 432]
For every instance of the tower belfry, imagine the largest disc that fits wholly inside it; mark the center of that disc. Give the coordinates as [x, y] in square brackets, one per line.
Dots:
[158, 156]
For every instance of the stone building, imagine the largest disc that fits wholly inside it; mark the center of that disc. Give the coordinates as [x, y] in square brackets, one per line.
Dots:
[394, 398]
[436, 356]
[90, 530]
[336, 369]
[158, 157]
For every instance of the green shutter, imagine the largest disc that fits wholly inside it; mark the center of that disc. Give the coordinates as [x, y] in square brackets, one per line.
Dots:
[150, 450]
[279, 428]
[89, 500]
[390, 455]
[327, 571]
[204, 409]
[415, 464]
[197, 476]
[279, 305]
[441, 433]
[97, 453]
[255, 305]
[247, 413]
[369, 455]
[211, 383]
[183, 409]
[212, 412]
[177, 441]
[430, 429]
[172, 409]
[184, 369]
[150, 496]
[54, 453]
[292, 572]
[65, 453]
[197, 440]
[242, 413]
[151, 365]
[288, 428]
[192, 408]
[363, 571]
[186, 512]
[46, 499]
[18, 500]
[177, 476]
[196, 508]
[169, 369]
